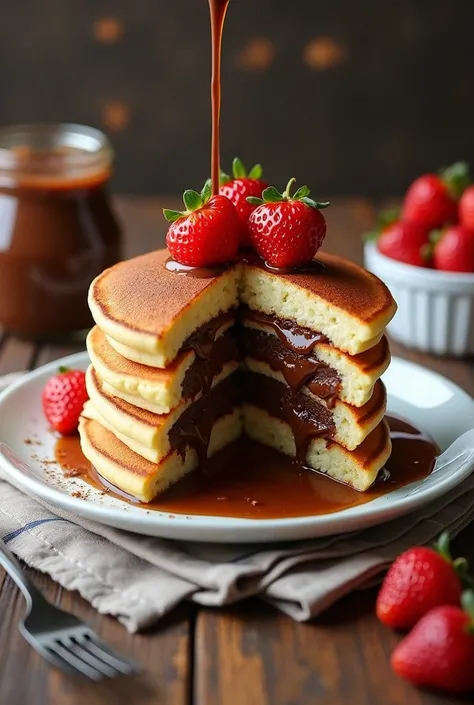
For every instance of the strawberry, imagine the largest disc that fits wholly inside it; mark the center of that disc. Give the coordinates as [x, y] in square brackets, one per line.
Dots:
[286, 230]
[439, 651]
[63, 399]
[431, 200]
[405, 242]
[206, 233]
[419, 579]
[466, 208]
[454, 249]
[238, 188]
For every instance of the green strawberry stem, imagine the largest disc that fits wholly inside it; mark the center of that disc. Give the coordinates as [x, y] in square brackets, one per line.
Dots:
[192, 200]
[467, 603]
[286, 193]
[62, 370]
[457, 178]
[240, 172]
[272, 195]
[427, 250]
[443, 548]
[460, 565]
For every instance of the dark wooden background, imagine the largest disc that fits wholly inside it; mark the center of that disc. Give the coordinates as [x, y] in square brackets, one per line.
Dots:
[353, 97]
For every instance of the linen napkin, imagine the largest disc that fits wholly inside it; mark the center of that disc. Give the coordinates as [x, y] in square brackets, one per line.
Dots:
[139, 579]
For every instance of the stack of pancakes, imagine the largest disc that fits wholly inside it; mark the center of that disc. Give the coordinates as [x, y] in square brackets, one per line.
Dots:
[184, 365]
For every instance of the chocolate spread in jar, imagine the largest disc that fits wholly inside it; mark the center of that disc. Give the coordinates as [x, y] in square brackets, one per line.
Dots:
[57, 228]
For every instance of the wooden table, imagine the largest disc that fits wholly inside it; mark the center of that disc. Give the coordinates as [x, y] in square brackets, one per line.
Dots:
[248, 654]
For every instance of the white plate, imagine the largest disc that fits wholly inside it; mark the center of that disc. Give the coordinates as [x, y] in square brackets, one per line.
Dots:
[427, 399]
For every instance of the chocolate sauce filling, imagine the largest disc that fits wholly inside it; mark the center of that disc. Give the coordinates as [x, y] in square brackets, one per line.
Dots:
[194, 426]
[299, 339]
[289, 351]
[203, 339]
[298, 370]
[200, 374]
[305, 415]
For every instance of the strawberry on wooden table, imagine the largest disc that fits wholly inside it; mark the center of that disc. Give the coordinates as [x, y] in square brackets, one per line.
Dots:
[287, 230]
[431, 200]
[63, 399]
[206, 233]
[439, 651]
[454, 249]
[237, 188]
[418, 580]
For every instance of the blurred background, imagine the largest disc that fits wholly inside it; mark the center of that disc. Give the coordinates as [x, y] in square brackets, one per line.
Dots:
[351, 97]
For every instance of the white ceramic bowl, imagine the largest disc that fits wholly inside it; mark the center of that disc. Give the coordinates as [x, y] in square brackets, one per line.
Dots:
[435, 309]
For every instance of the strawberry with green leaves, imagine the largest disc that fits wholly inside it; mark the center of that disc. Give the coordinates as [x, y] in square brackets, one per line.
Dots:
[237, 189]
[287, 230]
[439, 651]
[405, 242]
[206, 233]
[419, 579]
[401, 240]
[432, 199]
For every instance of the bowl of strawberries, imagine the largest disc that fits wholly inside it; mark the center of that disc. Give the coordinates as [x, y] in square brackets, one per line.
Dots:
[424, 252]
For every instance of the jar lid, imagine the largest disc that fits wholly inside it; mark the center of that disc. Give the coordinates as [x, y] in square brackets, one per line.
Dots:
[53, 152]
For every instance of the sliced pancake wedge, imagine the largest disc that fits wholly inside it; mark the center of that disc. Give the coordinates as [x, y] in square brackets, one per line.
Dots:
[347, 425]
[145, 307]
[343, 301]
[134, 475]
[357, 468]
[350, 377]
[161, 389]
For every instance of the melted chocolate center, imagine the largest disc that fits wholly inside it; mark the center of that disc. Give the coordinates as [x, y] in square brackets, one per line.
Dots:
[307, 418]
[292, 335]
[194, 426]
[289, 351]
[298, 370]
[202, 341]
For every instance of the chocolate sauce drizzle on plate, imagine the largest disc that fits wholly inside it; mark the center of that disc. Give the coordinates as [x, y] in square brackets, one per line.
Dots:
[249, 480]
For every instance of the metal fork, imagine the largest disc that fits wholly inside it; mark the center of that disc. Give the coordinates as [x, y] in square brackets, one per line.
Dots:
[61, 638]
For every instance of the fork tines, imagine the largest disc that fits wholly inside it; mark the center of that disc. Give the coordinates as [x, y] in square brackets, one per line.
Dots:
[82, 651]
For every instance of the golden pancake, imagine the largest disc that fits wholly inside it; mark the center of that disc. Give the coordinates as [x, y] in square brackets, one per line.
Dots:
[138, 477]
[155, 388]
[151, 431]
[145, 307]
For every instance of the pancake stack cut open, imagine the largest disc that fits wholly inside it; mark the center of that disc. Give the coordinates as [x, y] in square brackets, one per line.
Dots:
[182, 366]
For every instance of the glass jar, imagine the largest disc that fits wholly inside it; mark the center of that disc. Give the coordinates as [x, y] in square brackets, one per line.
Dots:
[57, 226]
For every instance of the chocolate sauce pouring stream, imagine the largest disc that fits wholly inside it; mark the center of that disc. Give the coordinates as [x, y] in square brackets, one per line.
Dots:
[217, 9]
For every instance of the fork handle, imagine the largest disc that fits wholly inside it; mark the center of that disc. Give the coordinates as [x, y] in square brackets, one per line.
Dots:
[15, 571]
